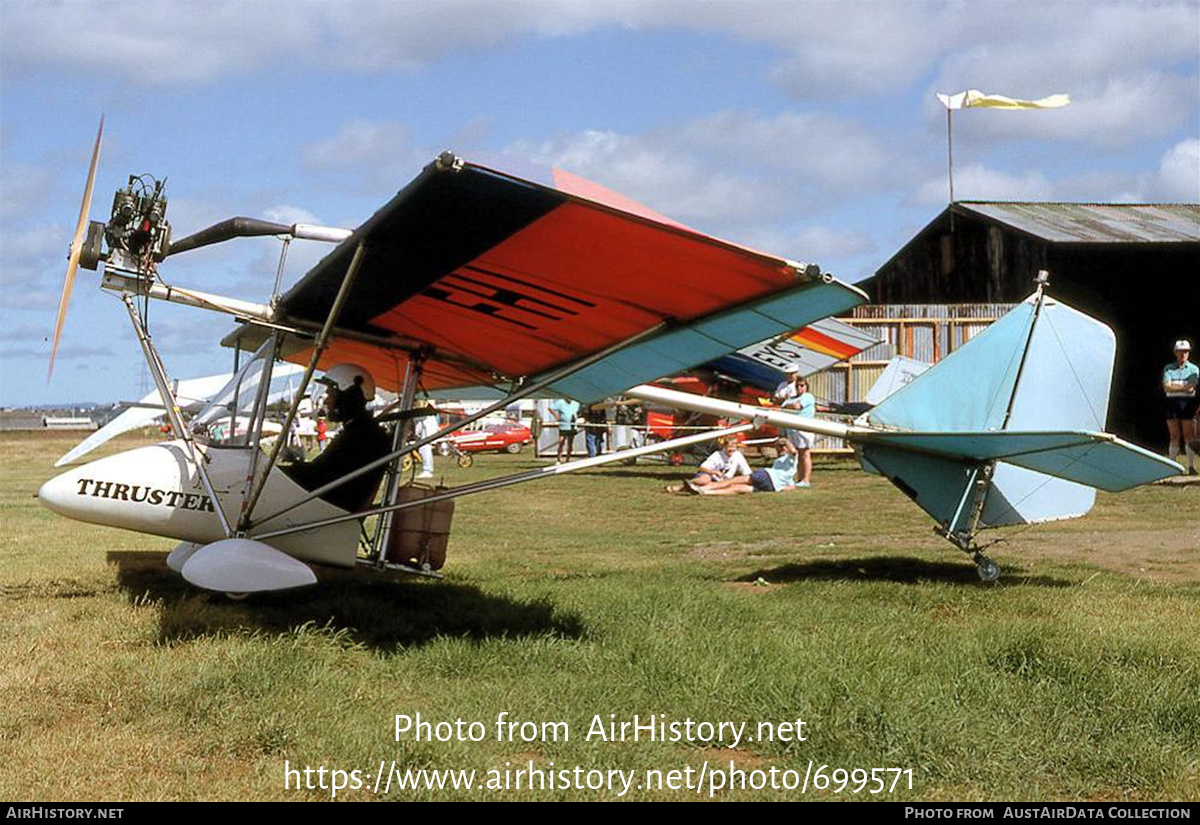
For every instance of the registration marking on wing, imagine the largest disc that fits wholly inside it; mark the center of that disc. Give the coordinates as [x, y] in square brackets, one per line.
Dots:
[505, 298]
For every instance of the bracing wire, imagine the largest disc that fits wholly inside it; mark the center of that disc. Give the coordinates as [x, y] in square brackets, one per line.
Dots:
[1074, 374]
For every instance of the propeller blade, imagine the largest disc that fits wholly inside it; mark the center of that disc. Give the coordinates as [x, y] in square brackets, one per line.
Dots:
[76, 249]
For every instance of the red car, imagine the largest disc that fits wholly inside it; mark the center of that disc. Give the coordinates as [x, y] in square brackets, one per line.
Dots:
[509, 438]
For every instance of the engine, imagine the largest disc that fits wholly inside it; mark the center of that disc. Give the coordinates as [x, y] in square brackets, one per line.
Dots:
[137, 234]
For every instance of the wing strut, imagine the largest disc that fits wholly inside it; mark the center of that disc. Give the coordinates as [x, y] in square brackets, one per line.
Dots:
[519, 478]
[159, 373]
[318, 349]
[525, 391]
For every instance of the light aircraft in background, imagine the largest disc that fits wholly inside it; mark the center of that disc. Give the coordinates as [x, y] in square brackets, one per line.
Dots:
[192, 394]
[471, 276]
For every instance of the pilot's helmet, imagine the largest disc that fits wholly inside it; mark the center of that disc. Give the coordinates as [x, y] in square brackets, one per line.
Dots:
[345, 376]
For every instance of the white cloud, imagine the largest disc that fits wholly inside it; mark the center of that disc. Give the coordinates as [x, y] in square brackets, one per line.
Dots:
[731, 170]
[842, 50]
[375, 154]
[978, 182]
[356, 143]
[156, 44]
[1179, 171]
[65, 352]
[33, 263]
[1176, 180]
[284, 213]
[821, 152]
[824, 50]
[649, 169]
[1029, 50]
[23, 188]
[35, 243]
[823, 242]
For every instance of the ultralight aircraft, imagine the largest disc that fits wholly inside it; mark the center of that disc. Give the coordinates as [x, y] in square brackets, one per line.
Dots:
[470, 276]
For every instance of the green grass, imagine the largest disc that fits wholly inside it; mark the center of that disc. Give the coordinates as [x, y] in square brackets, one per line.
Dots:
[1074, 677]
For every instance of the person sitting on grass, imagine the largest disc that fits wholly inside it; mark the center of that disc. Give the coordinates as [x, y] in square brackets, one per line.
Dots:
[725, 463]
[778, 478]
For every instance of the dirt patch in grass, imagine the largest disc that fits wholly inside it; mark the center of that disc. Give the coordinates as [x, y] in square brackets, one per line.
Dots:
[1166, 555]
[1159, 555]
[743, 759]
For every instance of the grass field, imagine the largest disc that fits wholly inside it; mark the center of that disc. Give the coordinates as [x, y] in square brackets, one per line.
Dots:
[1074, 677]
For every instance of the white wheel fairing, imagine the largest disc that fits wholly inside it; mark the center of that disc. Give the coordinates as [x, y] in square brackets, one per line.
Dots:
[245, 566]
[179, 556]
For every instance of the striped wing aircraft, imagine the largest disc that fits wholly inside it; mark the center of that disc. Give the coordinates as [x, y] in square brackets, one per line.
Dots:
[467, 276]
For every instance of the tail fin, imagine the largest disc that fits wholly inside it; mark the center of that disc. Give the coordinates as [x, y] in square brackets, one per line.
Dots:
[1029, 393]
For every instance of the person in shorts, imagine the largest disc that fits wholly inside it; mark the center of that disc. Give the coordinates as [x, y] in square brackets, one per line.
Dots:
[1179, 382]
[566, 413]
[793, 394]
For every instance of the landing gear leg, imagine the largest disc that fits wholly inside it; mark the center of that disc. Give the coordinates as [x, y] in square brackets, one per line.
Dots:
[974, 494]
[987, 569]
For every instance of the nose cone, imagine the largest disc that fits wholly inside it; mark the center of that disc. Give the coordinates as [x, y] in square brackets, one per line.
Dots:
[59, 494]
[150, 490]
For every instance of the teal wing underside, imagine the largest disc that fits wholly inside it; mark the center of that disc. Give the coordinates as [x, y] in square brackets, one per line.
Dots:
[682, 347]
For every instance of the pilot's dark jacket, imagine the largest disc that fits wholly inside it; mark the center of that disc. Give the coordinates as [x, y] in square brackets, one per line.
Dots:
[360, 442]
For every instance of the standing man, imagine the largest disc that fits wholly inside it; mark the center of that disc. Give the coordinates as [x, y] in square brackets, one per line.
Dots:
[793, 394]
[595, 421]
[426, 425]
[1179, 380]
[565, 411]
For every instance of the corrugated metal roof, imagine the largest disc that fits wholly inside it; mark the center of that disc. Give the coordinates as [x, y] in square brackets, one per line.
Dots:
[1096, 222]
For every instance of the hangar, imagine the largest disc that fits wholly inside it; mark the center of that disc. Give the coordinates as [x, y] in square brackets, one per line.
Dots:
[1134, 266]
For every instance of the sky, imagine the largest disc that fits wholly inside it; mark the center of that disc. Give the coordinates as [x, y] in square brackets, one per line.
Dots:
[809, 130]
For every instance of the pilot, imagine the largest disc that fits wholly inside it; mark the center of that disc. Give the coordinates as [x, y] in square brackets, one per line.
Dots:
[360, 441]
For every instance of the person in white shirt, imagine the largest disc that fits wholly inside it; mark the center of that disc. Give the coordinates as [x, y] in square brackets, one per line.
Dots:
[426, 425]
[778, 478]
[793, 394]
[725, 463]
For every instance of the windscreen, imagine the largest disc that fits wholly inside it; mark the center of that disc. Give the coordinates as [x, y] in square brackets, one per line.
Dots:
[227, 419]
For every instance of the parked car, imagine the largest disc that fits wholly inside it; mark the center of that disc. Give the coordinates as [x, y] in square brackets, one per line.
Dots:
[509, 438]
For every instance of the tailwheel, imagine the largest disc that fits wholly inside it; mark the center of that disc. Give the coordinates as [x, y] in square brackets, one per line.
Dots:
[987, 569]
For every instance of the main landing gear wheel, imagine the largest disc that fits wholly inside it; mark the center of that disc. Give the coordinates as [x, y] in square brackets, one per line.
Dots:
[987, 569]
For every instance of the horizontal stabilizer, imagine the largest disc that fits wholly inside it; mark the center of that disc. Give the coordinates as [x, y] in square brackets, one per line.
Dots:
[245, 566]
[1096, 459]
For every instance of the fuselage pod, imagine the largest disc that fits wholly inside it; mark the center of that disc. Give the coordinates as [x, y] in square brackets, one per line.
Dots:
[157, 490]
